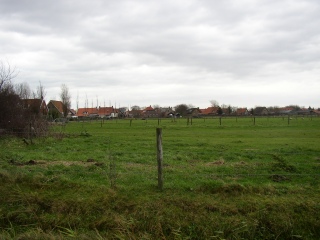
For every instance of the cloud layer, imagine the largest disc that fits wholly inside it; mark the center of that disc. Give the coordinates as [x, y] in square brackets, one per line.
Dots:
[243, 53]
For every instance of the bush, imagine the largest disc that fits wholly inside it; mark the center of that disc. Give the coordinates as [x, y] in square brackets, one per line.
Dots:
[17, 120]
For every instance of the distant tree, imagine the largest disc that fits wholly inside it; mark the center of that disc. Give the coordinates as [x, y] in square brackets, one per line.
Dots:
[40, 92]
[136, 111]
[229, 109]
[15, 117]
[135, 107]
[181, 108]
[23, 90]
[224, 106]
[65, 99]
[11, 117]
[214, 103]
[295, 107]
[7, 73]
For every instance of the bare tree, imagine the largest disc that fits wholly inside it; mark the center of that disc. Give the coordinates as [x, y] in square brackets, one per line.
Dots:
[214, 103]
[181, 109]
[23, 90]
[7, 73]
[136, 111]
[135, 108]
[65, 99]
[40, 93]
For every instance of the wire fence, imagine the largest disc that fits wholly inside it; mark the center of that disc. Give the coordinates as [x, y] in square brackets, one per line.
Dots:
[249, 164]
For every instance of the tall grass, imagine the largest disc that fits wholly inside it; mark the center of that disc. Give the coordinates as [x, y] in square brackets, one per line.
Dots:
[98, 180]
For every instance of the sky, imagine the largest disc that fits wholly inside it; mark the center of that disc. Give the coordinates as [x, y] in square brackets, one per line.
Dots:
[121, 53]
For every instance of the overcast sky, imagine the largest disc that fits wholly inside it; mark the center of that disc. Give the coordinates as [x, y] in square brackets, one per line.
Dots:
[116, 52]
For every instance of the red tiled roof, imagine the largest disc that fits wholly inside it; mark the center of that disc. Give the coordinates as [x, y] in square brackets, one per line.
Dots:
[148, 108]
[209, 110]
[35, 104]
[86, 111]
[57, 104]
[106, 110]
[242, 110]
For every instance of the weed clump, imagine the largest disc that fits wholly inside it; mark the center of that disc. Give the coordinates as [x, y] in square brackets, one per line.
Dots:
[281, 164]
[85, 134]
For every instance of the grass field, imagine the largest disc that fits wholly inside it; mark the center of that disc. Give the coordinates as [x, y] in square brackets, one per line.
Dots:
[241, 178]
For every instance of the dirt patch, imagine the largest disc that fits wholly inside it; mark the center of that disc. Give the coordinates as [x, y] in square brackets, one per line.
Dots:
[279, 178]
[215, 163]
[140, 166]
[44, 163]
[241, 163]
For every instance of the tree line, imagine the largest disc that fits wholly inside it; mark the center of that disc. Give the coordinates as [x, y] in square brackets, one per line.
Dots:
[15, 117]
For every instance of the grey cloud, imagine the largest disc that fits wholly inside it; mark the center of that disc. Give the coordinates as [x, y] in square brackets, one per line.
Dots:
[176, 43]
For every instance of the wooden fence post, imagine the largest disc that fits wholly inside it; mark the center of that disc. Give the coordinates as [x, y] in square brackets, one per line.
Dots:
[159, 158]
[30, 132]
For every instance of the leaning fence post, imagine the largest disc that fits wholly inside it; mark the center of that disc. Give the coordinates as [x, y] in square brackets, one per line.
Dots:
[159, 158]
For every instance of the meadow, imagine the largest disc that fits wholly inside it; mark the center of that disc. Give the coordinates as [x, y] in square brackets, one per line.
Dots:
[228, 178]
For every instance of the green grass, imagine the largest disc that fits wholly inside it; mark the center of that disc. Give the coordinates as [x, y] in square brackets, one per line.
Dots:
[91, 180]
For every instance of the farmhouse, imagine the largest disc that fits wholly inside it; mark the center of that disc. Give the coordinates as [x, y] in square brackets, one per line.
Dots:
[56, 108]
[87, 112]
[242, 112]
[107, 112]
[194, 112]
[35, 106]
[286, 111]
[260, 111]
[149, 112]
[209, 111]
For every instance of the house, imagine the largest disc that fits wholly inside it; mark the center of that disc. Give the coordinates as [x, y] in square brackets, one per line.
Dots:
[316, 112]
[166, 112]
[56, 109]
[149, 112]
[107, 112]
[87, 112]
[260, 111]
[35, 106]
[209, 111]
[304, 111]
[72, 113]
[242, 112]
[194, 112]
[286, 110]
[227, 111]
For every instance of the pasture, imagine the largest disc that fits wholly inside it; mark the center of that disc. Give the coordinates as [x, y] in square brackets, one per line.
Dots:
[228, 178]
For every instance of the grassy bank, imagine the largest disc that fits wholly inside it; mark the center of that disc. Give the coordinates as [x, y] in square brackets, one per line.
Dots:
[243, 178]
